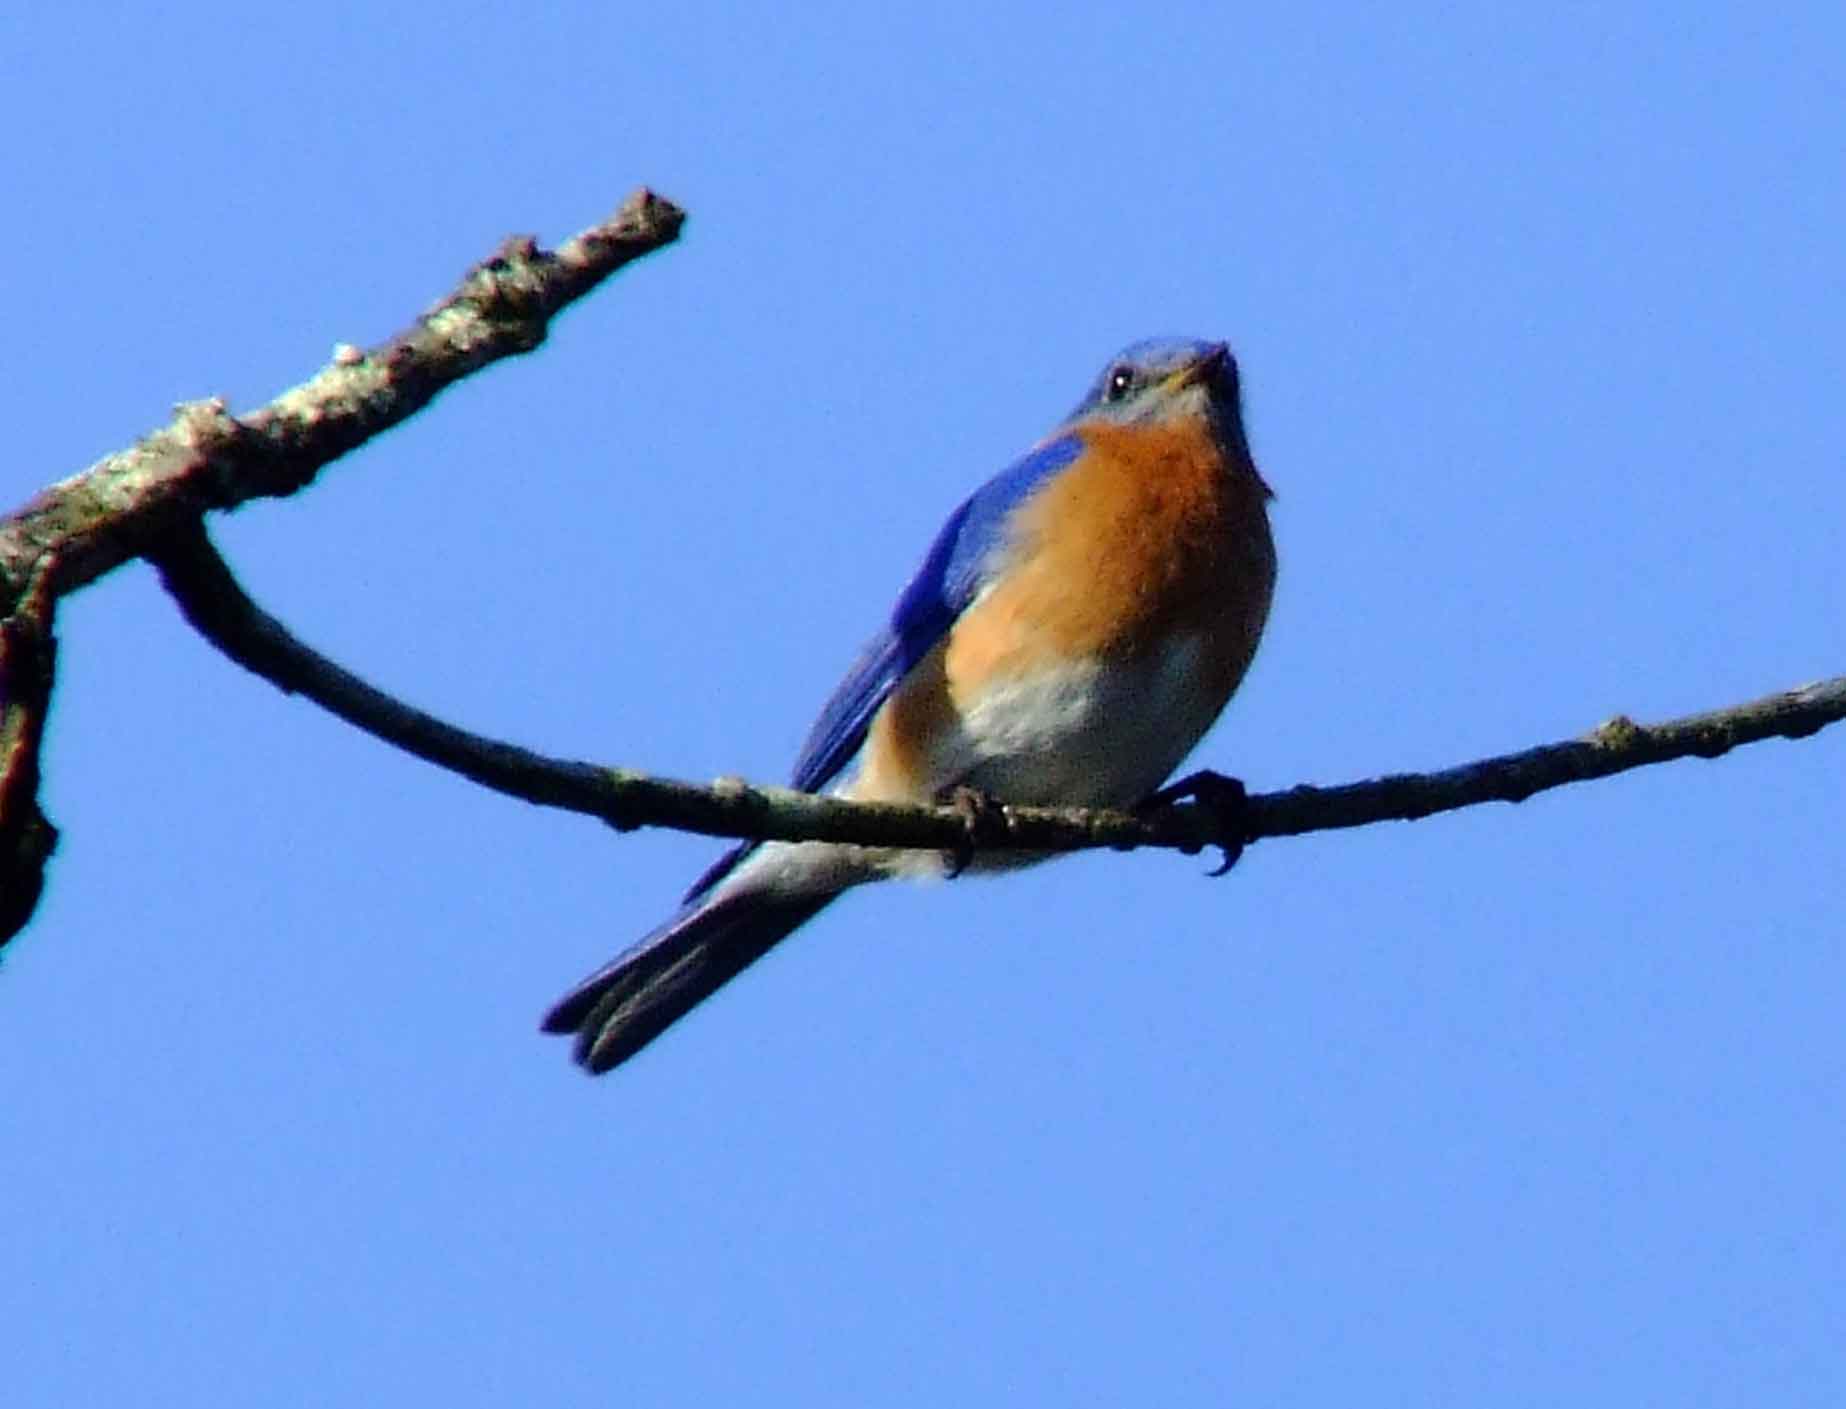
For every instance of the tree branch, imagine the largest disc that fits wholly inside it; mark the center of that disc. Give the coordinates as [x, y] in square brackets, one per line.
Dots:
[206, 458]
[28, 656]
[217, 606]
[1615, 746]
[126, 504]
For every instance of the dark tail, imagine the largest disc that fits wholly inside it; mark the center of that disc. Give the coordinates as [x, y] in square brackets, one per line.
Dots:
[636, 996]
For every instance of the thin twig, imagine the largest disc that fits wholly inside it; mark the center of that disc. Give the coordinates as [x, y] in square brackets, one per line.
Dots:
[214, 603]
[1615, 746]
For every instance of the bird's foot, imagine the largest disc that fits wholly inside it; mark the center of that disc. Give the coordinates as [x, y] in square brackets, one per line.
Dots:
[983, 819]
[1225, 800]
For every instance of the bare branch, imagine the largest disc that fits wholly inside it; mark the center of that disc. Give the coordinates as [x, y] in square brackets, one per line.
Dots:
[217, 606]
[207, 458]
[1615, 746]
[28, 654]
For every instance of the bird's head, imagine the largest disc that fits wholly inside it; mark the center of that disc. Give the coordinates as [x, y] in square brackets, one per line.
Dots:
[1161, 379]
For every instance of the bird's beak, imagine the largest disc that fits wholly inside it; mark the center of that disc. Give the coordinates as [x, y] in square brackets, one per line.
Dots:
[1204, 367]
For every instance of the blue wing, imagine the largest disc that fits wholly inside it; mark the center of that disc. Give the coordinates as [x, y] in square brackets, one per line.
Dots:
[952, 574]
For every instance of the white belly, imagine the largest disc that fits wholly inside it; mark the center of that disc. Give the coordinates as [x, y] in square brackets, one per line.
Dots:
[1095, 734]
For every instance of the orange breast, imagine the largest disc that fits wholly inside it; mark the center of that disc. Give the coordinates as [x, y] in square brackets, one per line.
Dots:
[1150, 533]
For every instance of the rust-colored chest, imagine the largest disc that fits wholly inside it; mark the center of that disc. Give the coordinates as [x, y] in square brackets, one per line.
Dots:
[1152, 532]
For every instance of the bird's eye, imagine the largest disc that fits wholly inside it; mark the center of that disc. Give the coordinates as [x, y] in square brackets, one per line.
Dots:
[1121, 382]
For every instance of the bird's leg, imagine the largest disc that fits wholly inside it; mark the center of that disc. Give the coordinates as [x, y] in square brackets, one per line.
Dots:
[983, 820]
[1225, 800]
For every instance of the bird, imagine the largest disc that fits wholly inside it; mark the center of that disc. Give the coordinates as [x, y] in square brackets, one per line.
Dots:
[1074, 629]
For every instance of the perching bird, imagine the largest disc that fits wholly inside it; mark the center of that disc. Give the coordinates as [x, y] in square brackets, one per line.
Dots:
[1073, 631]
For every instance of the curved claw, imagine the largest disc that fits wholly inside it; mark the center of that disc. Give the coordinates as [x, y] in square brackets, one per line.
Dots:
[1231, 856]
[1225, 798]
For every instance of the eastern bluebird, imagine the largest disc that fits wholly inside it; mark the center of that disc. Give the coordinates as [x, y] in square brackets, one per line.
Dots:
[1073, 631]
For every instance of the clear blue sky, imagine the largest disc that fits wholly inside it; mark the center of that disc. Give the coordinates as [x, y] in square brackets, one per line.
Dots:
[1540, 312]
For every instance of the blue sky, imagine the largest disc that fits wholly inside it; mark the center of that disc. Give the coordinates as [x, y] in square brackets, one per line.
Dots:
[1538, 310]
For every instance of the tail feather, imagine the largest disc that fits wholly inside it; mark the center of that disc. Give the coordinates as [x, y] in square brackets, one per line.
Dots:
[630, 1001]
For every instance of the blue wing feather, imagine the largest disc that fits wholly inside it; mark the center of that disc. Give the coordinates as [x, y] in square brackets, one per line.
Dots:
[952, 574]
